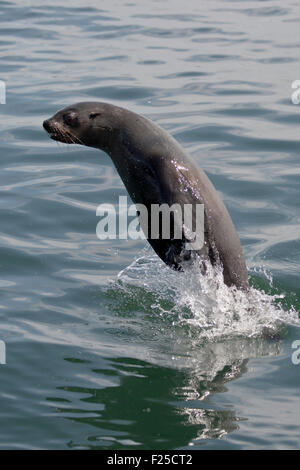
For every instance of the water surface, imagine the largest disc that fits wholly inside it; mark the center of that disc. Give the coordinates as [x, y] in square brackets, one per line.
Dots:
[106, 347]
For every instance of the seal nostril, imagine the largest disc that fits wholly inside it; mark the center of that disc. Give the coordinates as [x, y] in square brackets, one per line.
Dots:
[46, 125]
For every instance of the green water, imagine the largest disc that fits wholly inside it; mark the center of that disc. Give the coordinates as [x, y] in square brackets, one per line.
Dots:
[106, 348]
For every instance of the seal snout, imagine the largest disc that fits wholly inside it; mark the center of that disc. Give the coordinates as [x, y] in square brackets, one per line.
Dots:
[57, 132]
[47, 125]
[53, 130]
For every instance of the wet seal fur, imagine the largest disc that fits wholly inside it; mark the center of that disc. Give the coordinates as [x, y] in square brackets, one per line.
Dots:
[156, 170]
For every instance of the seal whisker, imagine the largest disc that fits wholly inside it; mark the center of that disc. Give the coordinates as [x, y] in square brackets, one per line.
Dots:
[77, 140]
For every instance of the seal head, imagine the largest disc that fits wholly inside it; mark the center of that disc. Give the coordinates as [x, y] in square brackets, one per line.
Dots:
[83, 124]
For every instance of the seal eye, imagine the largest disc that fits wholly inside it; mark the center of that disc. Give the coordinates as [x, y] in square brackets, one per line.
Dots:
[70, 119]
[94, 115]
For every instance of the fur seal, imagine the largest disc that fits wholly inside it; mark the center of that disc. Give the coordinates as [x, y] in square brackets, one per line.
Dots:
[155, 170]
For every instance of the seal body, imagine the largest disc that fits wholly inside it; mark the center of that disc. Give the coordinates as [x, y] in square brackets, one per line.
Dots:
[156, 170]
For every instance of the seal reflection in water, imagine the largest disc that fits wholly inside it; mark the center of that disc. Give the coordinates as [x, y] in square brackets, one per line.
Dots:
[156, 170]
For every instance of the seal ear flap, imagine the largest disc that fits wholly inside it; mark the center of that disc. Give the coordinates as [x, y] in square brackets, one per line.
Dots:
[94, 115]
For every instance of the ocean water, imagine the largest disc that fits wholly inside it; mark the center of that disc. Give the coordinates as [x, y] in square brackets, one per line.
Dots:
[106, 348]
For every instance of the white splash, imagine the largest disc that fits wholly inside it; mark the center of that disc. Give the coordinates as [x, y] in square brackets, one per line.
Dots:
[210, 308]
